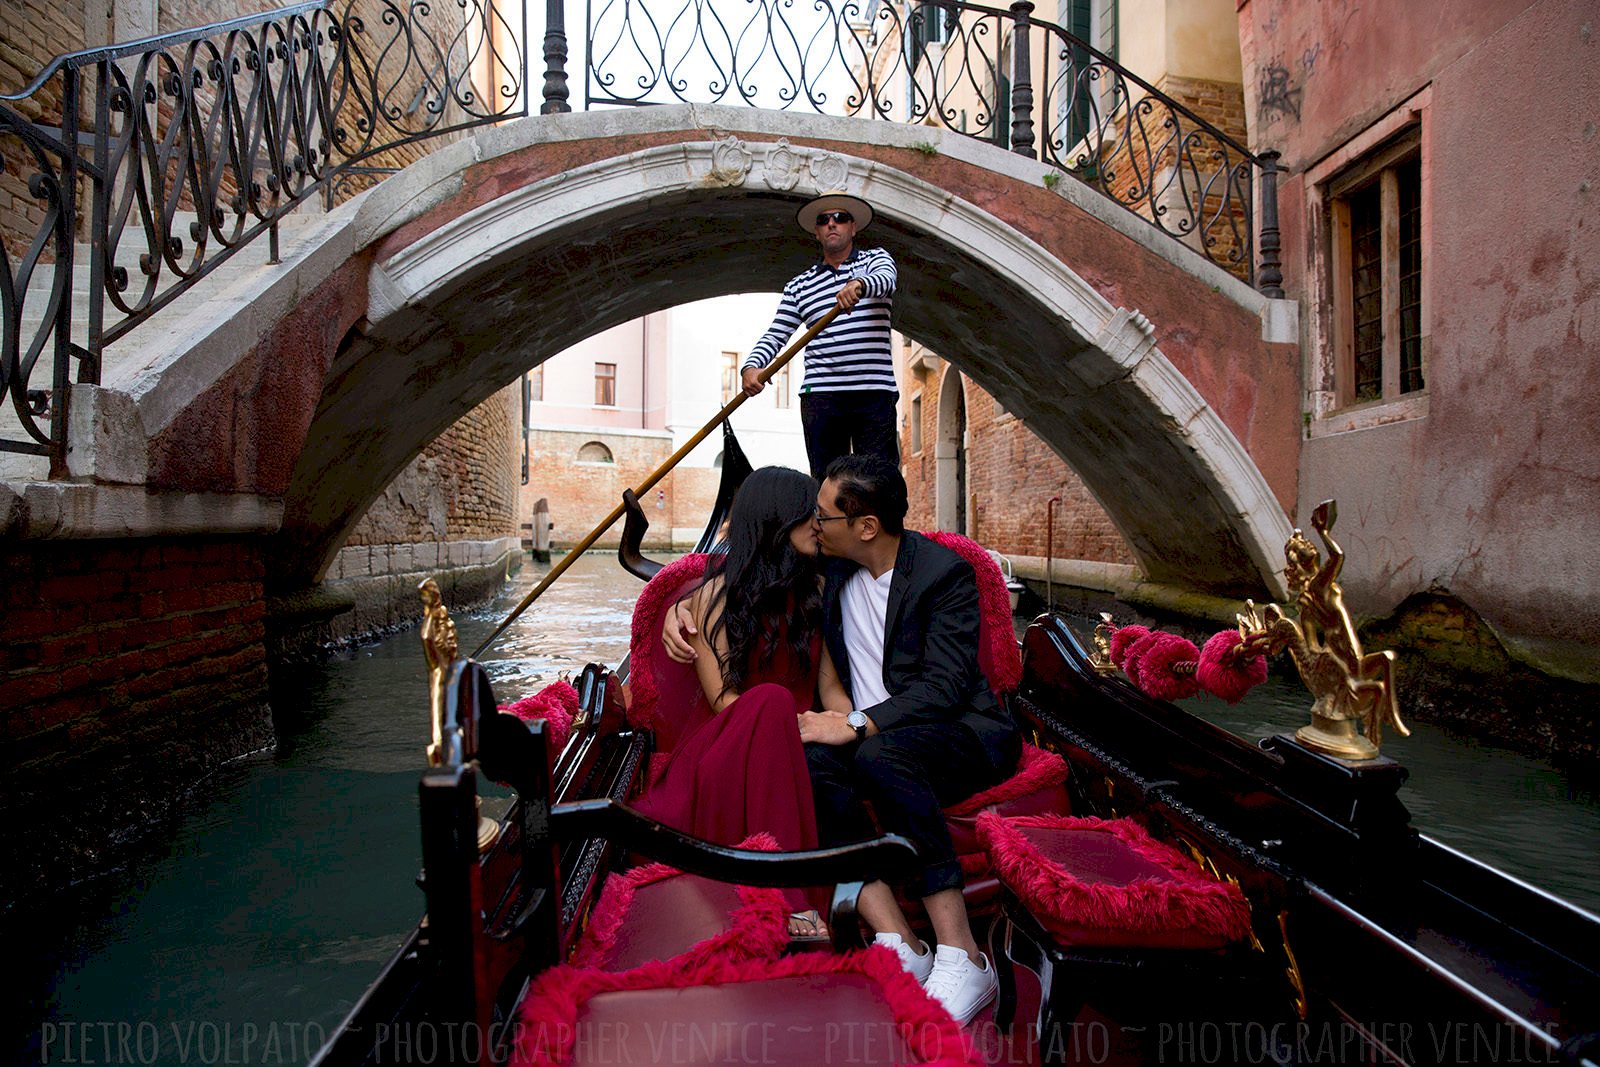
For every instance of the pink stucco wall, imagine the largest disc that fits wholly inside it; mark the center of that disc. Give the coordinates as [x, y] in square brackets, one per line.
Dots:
[1491, 495]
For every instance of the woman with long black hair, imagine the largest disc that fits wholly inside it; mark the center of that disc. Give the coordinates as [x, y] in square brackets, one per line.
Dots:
[760, 663]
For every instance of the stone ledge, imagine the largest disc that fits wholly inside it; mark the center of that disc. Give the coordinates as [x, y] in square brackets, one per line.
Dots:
[1123, 582]
[75, 511]
[383, 598]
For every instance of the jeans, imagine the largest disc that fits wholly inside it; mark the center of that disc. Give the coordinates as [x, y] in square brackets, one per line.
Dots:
[834, 422]
[909, 775]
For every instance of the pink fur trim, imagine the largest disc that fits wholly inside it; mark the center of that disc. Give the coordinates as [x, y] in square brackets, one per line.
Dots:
[1036, 770]
[549, 1013]
[556, 704]
[1157, 657]
[1122, 638]
[1190, 901]
[668, 587]
[758, 928]
[1222, 673]
[998, 655]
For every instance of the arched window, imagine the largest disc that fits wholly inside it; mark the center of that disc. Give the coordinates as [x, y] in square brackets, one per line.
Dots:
[595, 452]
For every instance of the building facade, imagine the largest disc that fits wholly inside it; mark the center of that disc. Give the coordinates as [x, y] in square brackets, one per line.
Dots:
[601, 416]
[1435, 212]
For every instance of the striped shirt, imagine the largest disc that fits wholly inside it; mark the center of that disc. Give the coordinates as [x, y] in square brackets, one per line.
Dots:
[853, 352]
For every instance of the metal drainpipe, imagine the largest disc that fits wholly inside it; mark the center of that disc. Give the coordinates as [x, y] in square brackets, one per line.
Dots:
[1050, 552]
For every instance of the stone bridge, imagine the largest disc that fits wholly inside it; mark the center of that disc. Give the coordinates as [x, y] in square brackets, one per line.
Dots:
[1169, 385]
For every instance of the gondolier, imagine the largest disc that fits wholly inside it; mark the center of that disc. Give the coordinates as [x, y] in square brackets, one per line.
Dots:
[847, 402]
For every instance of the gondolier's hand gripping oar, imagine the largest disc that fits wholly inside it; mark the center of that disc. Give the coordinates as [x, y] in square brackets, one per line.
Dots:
[655, 476]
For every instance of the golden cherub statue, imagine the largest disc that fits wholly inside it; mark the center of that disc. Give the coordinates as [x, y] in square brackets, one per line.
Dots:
[439, 646]
[1100, 655]
[1354, 692]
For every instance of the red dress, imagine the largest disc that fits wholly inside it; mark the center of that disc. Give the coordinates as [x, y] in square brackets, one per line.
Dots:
[744, 770]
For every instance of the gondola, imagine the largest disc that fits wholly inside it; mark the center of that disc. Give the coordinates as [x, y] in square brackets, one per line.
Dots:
[1355, 938]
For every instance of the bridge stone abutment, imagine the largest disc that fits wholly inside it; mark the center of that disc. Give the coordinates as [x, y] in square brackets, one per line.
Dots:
[1169, 385]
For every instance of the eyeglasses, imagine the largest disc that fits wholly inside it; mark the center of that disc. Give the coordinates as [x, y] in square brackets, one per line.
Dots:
[827, 518]
[841, 217]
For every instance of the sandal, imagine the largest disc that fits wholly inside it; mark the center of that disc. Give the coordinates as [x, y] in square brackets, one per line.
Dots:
[807, 926]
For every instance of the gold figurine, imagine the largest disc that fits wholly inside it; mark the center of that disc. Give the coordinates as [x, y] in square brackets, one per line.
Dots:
[1354, 691]
[439, 645]
[1100, 655]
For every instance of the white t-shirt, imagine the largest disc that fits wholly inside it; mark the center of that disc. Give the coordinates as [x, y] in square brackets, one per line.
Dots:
[865, 602]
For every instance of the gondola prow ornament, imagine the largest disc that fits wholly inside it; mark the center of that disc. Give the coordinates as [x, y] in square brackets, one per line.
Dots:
[440, 646]
[1354, 691]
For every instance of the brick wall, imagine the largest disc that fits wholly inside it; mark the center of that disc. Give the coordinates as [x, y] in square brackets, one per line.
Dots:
[1011, 476]
[582, 493]
[463, 487]
[1222, 105]
[136, 661]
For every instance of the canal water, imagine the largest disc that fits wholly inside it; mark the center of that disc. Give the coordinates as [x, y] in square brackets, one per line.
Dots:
[246, 929]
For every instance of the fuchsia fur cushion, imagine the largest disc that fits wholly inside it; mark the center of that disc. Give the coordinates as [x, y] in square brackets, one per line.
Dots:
[1038, 787]
[657, 912]
[556, 704]
[998, 654]
[1107, 882]
[648, 661]
[720, 1009]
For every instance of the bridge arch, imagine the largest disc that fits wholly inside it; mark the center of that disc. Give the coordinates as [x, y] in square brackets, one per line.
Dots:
[1144, 367]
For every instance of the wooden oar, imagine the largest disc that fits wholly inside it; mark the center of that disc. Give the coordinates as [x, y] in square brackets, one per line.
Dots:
[655, 476]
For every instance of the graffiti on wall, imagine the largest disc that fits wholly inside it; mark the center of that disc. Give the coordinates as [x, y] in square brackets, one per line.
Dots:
[1278, 94]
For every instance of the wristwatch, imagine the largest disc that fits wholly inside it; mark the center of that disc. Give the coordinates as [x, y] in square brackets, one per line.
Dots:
[858, 721]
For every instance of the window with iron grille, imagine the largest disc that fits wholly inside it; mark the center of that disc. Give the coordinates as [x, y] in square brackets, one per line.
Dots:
[1377, 261]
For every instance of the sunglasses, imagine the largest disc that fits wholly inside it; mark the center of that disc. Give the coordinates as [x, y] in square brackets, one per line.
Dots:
[841, 217]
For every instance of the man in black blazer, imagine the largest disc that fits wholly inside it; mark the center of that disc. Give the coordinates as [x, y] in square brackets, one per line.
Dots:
[924, 730]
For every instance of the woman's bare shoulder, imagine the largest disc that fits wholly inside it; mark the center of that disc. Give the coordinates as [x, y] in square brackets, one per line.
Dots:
[702, 603]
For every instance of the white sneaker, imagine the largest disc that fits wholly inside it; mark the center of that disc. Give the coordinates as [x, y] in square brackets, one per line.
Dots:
[960, 985]
[917, 964]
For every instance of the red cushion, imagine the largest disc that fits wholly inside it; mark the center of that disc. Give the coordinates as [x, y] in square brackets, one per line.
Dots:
[556, 704]
[798, 1009]
[1107, 882]
[1038, 788]
[999, 656]
[657, 912]
[650, 670]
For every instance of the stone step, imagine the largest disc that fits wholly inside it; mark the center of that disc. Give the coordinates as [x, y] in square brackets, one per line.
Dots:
[150, 342]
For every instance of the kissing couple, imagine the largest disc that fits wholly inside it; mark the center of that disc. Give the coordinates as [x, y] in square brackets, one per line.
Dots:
[837, 654]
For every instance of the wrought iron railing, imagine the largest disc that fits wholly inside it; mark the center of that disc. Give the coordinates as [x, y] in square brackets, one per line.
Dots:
[167, 156]
[994, 74]
[187, 147]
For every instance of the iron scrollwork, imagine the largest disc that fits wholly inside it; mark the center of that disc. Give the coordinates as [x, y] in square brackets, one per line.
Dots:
[196, 143]
[961, 66]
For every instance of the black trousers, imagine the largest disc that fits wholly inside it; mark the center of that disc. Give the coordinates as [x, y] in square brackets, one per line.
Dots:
[860, 420]
[909, 774]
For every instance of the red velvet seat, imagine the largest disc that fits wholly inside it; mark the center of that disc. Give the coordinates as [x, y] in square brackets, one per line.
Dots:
[1105, 914]
[1107, 882]
[655, 912]
[796, 1010]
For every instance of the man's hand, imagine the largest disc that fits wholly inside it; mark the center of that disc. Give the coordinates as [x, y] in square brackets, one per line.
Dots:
[751, 379]
[853, 291]
[676, 630]
[826, 728]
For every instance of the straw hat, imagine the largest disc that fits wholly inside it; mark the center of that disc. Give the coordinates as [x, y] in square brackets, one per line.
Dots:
[859, 210]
